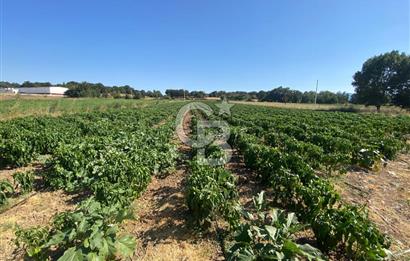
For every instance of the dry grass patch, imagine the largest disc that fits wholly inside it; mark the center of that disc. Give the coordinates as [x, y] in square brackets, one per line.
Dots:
[36, 210]
[386, 194]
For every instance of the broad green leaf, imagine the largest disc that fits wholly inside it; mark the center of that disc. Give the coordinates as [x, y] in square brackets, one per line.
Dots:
[125, 246]
[103, 249]
[271, 232]
[290, 248]
[56, 239]
[290, 219]
[92, 256]
[311, 253]
[260, 199]
[96, 240]
[72, 254]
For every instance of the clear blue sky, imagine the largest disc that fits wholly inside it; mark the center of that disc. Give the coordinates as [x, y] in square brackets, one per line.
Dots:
[199, 44]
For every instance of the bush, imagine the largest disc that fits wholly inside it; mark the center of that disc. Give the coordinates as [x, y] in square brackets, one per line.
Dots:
[211, 193]
[24, 181]
[267, 235]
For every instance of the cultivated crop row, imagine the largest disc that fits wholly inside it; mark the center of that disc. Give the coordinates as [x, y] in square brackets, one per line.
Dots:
[329, 141]
[109, 157]
[288, 148]
[263, 234]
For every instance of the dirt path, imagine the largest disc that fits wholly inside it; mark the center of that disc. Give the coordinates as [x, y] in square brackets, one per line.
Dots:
[7, 173]
[162, 224]
[247, 183]
[386, 195]
[161, 227]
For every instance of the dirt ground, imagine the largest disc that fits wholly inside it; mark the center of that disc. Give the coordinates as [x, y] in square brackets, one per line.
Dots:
[162, 225]
[36, 210]
[386, 195]
[247, 183]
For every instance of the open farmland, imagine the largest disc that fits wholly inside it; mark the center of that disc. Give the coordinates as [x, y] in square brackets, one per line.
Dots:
[12, 106]
[118, 183]
[390, 110]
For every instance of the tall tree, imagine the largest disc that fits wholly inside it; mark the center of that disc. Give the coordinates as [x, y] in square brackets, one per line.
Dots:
[383, 79]
[401, 83]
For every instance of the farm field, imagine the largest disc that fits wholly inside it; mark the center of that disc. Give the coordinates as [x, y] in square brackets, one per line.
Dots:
[109, 179]
[392, 110]
[12, 106]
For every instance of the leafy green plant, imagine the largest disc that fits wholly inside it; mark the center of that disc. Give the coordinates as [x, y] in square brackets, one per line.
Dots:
[115, 169]
[350, 225]
[211, 193]
[108, 155]
[88, 233]
[328, 141]
[367, 158]
[6, 188]
[24, 181]
[32, 240]
[315, 200]
[267, 235]
[17, 151]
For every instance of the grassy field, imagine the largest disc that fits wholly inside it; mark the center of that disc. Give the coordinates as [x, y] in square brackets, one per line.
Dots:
[327, 107]
[20, 106]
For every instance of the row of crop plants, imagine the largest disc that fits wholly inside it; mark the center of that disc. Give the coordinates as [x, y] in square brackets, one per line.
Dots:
[298, 188]
[286, 149]
[22, 140]
[109, 157]
[265, 233]
[329, 141]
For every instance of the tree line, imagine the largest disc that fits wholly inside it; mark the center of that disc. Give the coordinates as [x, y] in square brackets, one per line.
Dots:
[383, 80]
[280, 94]
[24, 84]
[87, 89]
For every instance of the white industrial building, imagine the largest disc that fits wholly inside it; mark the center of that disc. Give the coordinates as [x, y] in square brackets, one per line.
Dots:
[9, 90]
[52, 90]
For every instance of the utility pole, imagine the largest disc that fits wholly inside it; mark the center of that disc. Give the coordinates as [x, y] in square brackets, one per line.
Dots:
[317, 85]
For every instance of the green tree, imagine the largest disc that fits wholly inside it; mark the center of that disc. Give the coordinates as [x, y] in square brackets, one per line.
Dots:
[401, 83]
[384, 79]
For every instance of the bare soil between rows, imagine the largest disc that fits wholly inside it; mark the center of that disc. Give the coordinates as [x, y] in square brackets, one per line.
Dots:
[386, 195]
[164, 232]
[33, 209]
[37, 209]
[162, 226]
